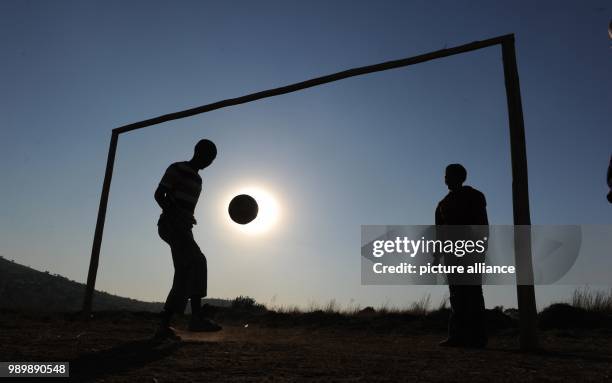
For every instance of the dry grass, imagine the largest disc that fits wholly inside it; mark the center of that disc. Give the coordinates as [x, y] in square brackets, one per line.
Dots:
[420, 307]
[593, 300]
[599, 301]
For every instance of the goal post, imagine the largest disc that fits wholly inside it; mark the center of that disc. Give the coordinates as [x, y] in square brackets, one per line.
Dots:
[520, 191]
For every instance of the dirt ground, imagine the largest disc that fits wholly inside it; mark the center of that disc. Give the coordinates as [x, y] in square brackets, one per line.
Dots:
[115, 348]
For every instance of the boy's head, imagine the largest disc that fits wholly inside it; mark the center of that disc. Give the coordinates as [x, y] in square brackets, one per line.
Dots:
[455, 176]
[204, 153]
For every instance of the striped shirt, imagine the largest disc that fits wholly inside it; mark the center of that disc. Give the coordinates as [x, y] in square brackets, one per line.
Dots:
[184, 185]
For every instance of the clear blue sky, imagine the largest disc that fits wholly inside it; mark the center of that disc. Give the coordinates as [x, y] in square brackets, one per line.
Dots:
[368, 150]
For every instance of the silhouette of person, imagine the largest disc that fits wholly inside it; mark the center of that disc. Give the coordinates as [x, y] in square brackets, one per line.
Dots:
[177, 195]
[464, 206]
[610, 175]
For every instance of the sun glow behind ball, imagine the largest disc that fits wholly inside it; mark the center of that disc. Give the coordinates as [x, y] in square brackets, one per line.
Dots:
[267, 216]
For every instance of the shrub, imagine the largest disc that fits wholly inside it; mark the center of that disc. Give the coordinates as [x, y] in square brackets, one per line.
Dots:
[245, 303]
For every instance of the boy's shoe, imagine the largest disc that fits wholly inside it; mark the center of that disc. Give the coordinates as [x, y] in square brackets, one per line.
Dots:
[166, 333]
[208, 311]
[197, 324]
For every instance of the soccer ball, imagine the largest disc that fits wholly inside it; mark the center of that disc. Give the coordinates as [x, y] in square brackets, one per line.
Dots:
[243, 209]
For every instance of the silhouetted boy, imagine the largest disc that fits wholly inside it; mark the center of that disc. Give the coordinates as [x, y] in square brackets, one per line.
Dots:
[463, 205]
[610, 180]
[177, 195]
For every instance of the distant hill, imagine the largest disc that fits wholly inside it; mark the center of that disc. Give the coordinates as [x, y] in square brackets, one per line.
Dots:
[23, 288]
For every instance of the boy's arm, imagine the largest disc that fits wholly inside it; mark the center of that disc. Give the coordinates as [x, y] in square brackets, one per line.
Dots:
[165, 201]
[166, 184]
[161, 197]
[439, 221]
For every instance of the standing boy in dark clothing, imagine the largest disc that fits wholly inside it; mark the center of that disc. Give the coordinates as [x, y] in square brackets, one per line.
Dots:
[464, 206]
[610, 180]
[177, 195]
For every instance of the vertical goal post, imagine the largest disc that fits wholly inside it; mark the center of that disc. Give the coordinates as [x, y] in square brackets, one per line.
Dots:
[518, 150]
